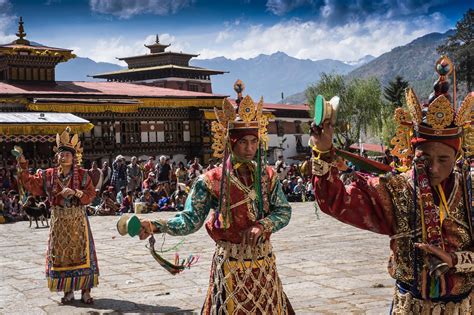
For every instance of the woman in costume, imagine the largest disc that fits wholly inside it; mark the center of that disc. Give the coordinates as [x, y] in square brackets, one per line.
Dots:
[247, 205]
[427, 211]
[71, 261]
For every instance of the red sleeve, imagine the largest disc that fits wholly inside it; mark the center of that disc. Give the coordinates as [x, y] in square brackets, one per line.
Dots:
[365, 203]
[32, 183]
[88, 190]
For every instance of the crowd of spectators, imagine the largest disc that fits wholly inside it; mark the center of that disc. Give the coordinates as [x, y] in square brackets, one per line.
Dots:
[147, 186]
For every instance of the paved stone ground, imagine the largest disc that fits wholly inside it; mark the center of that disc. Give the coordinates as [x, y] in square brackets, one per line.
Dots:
[326, 268]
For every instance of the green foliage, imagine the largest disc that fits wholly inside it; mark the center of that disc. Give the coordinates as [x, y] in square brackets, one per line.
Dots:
[360, 107]
[394, 91]
[460, 48]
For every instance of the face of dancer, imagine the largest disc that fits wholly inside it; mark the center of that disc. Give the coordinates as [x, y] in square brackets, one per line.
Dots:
[441, 159]
[246, 147]
[65, 158]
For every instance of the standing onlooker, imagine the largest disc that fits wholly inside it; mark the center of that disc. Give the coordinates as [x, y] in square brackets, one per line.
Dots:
[150, 181]
[134, 175]
[149, 167]
[95, 174]
[164, 173]
[106, 175]
[119, 172]
[195, 169]
[181, 174]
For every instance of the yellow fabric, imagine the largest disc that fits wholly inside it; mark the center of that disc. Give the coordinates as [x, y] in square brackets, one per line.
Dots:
[42, 129]
[443, 207]
[83, 108]
[177, 102]
[88, 259]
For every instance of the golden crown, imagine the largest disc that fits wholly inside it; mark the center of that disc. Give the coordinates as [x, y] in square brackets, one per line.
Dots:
[436, 120]
[65, 141]
[247, 116]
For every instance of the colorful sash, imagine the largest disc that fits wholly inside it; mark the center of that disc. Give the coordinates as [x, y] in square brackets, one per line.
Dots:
[431, 220]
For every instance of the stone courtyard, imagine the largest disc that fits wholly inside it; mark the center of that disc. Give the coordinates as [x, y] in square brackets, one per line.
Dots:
[326, 268]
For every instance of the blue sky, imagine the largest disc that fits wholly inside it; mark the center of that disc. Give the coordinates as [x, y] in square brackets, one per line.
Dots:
[313, 29]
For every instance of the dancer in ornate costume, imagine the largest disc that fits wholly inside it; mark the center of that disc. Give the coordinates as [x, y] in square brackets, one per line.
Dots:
[247, 205]
[425, 211]
[71, 261]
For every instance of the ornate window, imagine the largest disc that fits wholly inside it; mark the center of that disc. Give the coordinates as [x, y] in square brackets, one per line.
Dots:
[173, 132]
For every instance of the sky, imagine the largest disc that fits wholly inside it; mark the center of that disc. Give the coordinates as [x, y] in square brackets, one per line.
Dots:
[306, 29]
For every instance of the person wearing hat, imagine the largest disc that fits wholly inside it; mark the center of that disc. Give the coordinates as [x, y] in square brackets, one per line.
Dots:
[150, 181]
[71, 260]
[425, 211]
[247, 205]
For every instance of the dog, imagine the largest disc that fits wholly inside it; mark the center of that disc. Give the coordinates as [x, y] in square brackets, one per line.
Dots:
[36, 212]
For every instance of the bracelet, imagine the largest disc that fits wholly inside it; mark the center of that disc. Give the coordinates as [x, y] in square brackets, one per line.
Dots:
[78, 193]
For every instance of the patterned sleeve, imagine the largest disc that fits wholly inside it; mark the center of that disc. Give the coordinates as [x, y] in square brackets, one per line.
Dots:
[464, 262]
[280, 210]
[195, 212]
[364, 203]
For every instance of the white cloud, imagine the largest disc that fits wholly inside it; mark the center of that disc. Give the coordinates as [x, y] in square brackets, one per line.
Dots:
[281, 7]
[223, 36]
[127, 8]
[109, 49]
[316, 40]
[7, 21]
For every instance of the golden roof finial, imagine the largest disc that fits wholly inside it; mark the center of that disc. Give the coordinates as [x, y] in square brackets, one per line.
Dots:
[21, 34]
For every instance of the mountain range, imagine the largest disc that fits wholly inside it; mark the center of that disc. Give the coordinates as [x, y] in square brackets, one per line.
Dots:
[278, 75]
[414, 62]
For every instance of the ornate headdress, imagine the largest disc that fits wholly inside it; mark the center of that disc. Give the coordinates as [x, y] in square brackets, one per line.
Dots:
[248, 116]
[64, 142]
[437, 120]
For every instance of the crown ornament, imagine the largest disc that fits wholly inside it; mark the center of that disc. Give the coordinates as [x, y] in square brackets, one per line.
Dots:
[438, 119]
[247, 115]
[64, 142]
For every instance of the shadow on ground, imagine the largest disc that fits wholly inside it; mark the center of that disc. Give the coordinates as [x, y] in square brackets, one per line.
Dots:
[122, 306]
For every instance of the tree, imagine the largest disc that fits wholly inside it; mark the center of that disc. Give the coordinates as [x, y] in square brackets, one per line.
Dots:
[394, 91]
[460, 48]
[360, 106]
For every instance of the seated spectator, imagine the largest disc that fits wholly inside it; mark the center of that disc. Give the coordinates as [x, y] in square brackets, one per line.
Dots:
[108, 205]
[286, 187]
[299, 191]
[148, 200]
[165, 204]
[180, 199]
[121, 194]
[15, 208]
[92, 207]
[112, 193]
[127, 203]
